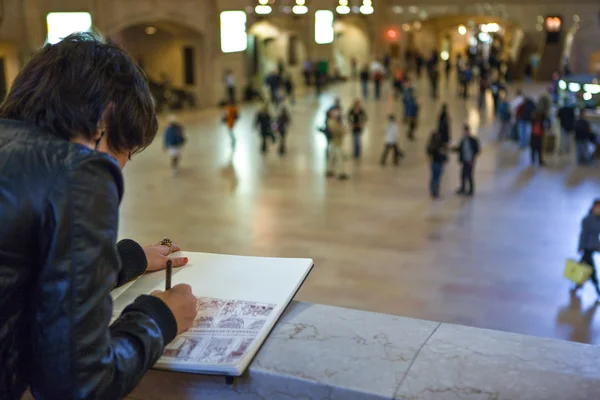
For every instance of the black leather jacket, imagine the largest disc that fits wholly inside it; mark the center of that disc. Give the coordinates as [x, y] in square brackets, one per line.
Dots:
[58, 263]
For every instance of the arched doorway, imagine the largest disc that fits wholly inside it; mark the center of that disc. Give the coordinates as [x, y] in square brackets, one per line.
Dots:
[278, 43]
[352, 45]
[172, 56]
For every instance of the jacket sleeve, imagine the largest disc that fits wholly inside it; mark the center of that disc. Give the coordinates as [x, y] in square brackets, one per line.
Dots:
[133, 261]
[74, 353]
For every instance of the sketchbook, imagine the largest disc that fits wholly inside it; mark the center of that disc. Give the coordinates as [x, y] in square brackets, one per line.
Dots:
[240, 299]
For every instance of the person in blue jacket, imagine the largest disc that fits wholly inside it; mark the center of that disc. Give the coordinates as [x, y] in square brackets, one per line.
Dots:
[173, 142]
[589, 241]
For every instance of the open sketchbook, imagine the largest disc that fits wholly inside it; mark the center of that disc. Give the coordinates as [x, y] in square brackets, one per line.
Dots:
[239, 301]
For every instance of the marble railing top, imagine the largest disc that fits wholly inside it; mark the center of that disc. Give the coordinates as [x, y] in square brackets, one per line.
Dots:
[323, 352]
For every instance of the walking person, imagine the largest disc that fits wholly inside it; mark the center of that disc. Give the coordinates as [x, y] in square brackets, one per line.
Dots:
[589, 242]
[444, 125]
[437, 152]
[378, 76]
[174, 140]
[288, 84]
[307, 72]
[229, 82]
[468, 151]
[525, 113]
[364, 81]
[583, 134]
[392, 132]
[483, 87]
[357, 117]
[566, 115]
[264, 123]
[411, 112]
[337, 133]
[504, 117]
[282, 122]
[230, 118]
[539, 127]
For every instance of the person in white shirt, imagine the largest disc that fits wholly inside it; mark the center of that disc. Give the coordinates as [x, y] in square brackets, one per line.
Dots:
[392, 132]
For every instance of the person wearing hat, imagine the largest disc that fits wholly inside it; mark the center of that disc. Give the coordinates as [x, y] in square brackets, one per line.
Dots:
[589, 241]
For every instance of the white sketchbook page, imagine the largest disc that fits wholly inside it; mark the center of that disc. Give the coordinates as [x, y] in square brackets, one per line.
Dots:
[265, 280]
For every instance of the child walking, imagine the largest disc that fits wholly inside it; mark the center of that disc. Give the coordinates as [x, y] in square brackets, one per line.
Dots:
[392, 132]
[174, 141]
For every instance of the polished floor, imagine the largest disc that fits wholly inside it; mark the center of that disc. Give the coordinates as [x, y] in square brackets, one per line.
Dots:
[378, 241]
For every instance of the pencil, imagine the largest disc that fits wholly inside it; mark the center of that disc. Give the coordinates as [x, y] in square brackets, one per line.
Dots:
[169, 273]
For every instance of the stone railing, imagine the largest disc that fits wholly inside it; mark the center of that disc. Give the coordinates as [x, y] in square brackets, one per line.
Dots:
[322, 352]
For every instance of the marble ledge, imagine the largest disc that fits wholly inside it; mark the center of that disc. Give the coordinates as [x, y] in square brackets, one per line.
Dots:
[322, 352]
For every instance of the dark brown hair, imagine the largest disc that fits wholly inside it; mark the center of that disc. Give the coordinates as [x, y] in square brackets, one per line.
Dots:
[66, 87]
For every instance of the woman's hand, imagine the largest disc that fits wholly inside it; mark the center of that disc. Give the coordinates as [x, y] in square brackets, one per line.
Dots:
[157, 257]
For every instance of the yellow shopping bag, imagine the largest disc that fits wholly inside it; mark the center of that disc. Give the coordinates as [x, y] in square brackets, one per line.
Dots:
[577, 272]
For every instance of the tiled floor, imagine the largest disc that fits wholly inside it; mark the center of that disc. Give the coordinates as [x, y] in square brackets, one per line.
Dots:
[378, 241]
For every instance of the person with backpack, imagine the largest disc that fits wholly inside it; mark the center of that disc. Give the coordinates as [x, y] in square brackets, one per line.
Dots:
[504, 116]
[437, 153]
[566, 115]
[589, 242]
[539, 126]
[525, 113]
[174, 139]
[264, 122]
[337, 133]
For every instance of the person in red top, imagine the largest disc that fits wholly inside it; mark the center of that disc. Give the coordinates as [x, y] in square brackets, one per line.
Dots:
[540, 124]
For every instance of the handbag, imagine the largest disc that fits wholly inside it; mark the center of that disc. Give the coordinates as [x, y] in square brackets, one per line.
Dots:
[577, 272]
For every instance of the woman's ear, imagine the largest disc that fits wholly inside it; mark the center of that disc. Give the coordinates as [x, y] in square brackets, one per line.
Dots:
[101, 127]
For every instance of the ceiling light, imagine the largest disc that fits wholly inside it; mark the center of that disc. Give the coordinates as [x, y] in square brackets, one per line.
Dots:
[301, 2]
[538, 27]
[462, 30]
[587, 96]
[413, 9]
[540, 19]
[262, 9]
[574, 87]
[398, 9]
[576, 18]
[150, 30]
[593, 88]
[405, 27]
[365, 9]
[417, 25]
[342, 9]
[299, 9]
